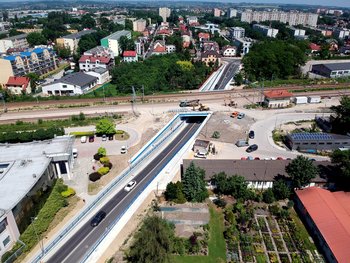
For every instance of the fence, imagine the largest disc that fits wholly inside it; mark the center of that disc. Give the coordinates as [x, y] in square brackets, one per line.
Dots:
[134, 164]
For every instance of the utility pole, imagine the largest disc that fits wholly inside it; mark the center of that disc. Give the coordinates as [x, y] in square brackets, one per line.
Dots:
[133, 99]
[143, 92]
[2, 96]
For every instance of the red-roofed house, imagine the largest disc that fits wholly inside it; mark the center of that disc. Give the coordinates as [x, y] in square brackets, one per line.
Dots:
[164, 32]
[130, 56]
[328, 217]
[203, 37]
[277, 98]
[314, 47]
[87, 62]
[18, 85]
[159, 48]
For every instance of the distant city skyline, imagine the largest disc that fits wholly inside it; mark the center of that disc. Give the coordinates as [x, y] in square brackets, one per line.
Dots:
[326, 3]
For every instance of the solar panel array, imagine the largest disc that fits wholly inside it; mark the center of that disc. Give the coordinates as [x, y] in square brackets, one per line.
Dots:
[311, 136]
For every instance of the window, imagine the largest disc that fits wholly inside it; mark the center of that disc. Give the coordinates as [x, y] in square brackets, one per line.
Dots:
[321, 143]
[6, 241]
[64, 86]
[3, 225]
[305, 143]
[313, 143]
[345, 142]
[329, 143]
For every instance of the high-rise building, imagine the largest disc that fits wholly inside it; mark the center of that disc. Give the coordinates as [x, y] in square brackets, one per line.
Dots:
[217, 12]
[231, 12]
[292, 18]
[71, 41]
[112, 41]
[237, 32]
[164, 12]
[265, 30]
[139, 25]
[18, 42]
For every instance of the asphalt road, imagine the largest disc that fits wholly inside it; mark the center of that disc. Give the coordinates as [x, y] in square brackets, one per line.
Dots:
[229, 72]
[78, 245]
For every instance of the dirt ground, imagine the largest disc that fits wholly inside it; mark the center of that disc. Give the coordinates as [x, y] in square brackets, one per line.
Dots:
[231, 129]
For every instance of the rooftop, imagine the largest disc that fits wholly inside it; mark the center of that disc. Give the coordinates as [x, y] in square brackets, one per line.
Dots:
[79, 79]
[21, 36]
[337, 66]
[94, 59]
[129, 53]
[330, 212]
[18, 81]
[254, 170]
[276, 94]
[99, 70]
[79, 34]
[117, 35]
[316, 136]
[24, 165]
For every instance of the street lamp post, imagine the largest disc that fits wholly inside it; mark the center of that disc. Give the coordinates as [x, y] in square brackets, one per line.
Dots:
[41, 242]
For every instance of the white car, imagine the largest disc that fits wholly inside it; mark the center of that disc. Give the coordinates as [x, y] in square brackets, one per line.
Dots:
[123, 150]
[130, 186]
[200, 155]
[83, 139]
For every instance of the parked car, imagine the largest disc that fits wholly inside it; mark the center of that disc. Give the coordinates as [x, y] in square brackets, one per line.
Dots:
[130, 186]
[98, 218]
[241, 115]
[244, 158]
[123, 150]
[104, 137]
[200, 155]
[252, 148]
[257, 158]
[280, 158]
[242, 143]
[83, 139]
[111, 137]
[91, 138]
[75, 152]
[251, 135]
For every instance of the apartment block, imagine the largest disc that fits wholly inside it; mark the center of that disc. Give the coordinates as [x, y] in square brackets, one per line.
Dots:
[71, 41]
[18, 42]
[237, 32]
[112, 41]
[139, 25]
[231, 12]
[265, 30]
[217, 12]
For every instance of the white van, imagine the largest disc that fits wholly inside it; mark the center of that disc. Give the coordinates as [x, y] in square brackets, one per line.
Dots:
[75, 152]
[201, 155]
[83, 139]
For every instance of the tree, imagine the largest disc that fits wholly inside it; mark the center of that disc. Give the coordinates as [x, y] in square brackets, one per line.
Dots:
[63, 52]
[33, 80]
[174, 192]
[280, 189]
[194, 185]
[36, 38]
[105, 126]
[234, 185]
[153, 242]
[341, 122]
[342, 161]
[301, 170]
[102, 151]
[238, 79]
[128, 24]
[268, 196]
[126, 43]
[87, 21]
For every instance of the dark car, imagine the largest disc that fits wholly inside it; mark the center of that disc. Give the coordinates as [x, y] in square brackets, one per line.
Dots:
[98, 218]
[252, 148]
[251, 135]
[110, 137]
[91, 138]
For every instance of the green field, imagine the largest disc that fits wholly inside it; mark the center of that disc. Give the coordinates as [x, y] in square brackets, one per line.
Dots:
[216, 244]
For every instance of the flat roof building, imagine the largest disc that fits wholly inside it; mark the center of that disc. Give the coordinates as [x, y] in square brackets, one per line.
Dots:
[25, 170]
[332, 70]
[266, 30]
[112, 41]
[71, 41]
[18, 41]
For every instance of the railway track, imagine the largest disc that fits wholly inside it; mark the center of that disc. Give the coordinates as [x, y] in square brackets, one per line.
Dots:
[208, 95]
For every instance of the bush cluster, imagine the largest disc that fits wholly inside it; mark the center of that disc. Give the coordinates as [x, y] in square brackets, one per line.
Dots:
[104, 160]
[69, 192]
[103, 170]
[28, 136]
[93, 177]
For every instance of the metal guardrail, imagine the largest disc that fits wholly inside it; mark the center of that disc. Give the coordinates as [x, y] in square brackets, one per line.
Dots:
[17, 253]
[103, 194]
[98, 242]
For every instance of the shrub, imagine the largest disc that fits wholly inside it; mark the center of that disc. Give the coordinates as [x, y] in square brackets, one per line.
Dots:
[83, 133]
[103, 170]
[119, 132]
[102, 151]
[104, 160]
[268, 196]
[69, 192]
[220, 202]
[94, 177]
[97, 157]
[216, 135]
[109, 165]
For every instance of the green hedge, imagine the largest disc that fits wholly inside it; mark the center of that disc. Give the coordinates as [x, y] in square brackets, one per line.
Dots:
[28, 136]
[103, 170]
[69, 192]
[104, 160]
[83, 133]
[119, 132]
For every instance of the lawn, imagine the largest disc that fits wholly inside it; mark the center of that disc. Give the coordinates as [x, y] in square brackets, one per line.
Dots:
[216, 244]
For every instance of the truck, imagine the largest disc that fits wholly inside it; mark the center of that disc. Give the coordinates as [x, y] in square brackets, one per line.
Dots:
[189, 103]
[314, 99]
[300, 100]
[203, 107]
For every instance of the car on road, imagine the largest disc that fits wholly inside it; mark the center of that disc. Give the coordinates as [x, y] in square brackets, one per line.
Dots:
[252, 148]
[83, 139]
[91, 138]
[104, 137]
[241, 116]
[123, 150]
[130, 186]
[98, 218]
[251, 135]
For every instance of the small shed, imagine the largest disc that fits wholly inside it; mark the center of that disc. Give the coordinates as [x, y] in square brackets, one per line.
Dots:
[201, 146]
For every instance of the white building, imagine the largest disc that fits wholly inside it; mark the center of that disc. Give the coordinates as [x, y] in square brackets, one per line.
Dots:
[71, 41]
[112, 41]
[100, 51]
[217, 12]
[170, 48]
[164, 12]
[19, 41]
[101, 74]
[265, 30]
[139, 25]
[292, 18]
[244, 44]
[87, 63]
[237, 32]
[212, 28]
[27, 169]
[341, 33]
[192, 20]
[231, 12]
[229, 51]
[73, 84]
[130, 56]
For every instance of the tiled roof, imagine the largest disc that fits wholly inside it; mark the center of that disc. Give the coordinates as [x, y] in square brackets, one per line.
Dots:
[159, 47]
[275, 94]
[204, 35]
[93, 59]
[330, 212]
[313, 46]
[129, 53]
[18, 81]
